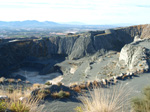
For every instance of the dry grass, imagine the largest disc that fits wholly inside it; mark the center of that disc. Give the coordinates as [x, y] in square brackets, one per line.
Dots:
[83, 86]
[27, 82]
[77, 89]
[60, 94]
[14, 104]
[11, 80]
[142, 103]
[36, 85]
[2, 79]
[105, 100]
[19, 80]
[43, 93]
[15, 94]
[48, 83]
[59, 84]
[28, 105]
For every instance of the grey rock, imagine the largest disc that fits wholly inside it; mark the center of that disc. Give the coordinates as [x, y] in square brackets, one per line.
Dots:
[13, 53]
[137, 38]
[134, 55]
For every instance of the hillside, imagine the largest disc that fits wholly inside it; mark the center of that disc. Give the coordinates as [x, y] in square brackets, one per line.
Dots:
[72, 47]
[100, 58]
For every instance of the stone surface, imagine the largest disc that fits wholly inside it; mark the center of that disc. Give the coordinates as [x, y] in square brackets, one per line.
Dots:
[135, 55]
[14, 52]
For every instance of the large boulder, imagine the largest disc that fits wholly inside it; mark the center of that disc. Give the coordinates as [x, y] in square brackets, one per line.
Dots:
[135, 55]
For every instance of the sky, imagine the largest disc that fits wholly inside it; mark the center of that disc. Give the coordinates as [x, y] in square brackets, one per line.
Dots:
[85, 11]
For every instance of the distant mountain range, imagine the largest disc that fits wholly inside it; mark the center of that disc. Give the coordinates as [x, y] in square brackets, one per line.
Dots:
[27, 23]
[50, 24]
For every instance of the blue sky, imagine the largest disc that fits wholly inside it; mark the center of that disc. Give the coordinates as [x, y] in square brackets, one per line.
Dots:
[86, 11]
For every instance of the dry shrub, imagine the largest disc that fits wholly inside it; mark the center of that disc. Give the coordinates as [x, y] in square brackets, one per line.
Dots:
[95, 83]
[142, 104]
[88, 84]
[28, 105]
[83, 86]
[15, 93]
[14, 104]
[36, 85]
[2, 80]
[42, 93]
[61, 94]
[27, 82]
[48, 83]
[77, 89]
[19, 80]
[59, 84]
[11, 80]
[105, 100]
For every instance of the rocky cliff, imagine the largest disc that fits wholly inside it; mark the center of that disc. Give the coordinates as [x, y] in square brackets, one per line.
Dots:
[136, 55]
[14, 52]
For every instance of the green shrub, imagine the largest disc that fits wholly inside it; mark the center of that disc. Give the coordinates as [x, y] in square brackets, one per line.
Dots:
[61, 94]
[19, 107]
[59, 83]
[142, 104]
[43, 93]
[14, 104]
[78, 109]
[48, 83]
[3, 106]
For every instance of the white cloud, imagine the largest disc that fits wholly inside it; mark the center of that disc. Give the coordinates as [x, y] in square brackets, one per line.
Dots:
[89, 11]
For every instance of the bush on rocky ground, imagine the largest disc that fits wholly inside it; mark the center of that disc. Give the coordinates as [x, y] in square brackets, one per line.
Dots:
[42, 93]
[142, 104]
[101, 100]
[60, 94]
[19, 100]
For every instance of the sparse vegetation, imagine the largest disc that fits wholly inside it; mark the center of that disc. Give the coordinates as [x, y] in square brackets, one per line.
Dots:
[2, 79]
[18, 106]
[19, 80]
[59, 83]
[77, 89]
[43, 93]
[36, 85]
[82, 86]
[101, 100]
[11, 80]
[60, 94]
[48, 83]
[78, 109]
[14, 104]
[27, 82]
[142, 104]
[3, 106]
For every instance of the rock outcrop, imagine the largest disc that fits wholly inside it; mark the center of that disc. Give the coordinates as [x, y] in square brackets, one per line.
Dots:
[136, 55]
[14, 52]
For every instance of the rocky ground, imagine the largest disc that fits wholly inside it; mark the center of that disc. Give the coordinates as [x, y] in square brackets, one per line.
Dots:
[127, 67]
[104, 58]
[136, 84]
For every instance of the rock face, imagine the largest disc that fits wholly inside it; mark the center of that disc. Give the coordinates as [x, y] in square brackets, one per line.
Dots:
[137, 38]
[135, 55]
[14, 52]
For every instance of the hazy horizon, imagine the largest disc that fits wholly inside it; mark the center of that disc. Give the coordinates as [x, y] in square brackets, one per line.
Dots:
[86, 11]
